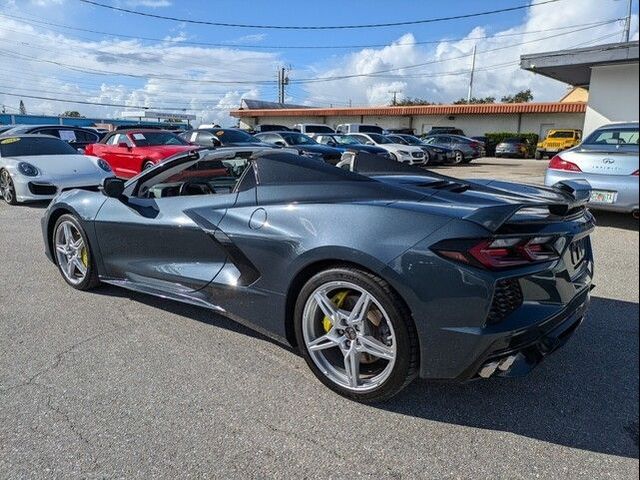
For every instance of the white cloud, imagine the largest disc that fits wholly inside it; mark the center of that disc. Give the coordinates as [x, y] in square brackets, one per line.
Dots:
[27, 53]
[436, 83]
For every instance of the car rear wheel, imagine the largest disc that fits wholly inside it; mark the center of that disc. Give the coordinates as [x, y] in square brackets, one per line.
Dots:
[458, 157]
[427, 158]
[73, 254]
[356, 334]
[7, 189]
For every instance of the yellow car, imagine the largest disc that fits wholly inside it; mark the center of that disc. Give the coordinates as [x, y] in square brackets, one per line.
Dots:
[556, 141]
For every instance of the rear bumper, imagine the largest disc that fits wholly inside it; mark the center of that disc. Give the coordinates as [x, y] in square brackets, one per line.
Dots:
[518, 352]
[626, 187]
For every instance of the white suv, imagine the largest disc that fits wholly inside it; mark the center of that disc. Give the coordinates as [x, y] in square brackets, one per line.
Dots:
[402, 153]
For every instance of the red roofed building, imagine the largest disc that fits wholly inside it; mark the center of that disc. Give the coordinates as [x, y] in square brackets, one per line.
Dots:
[472, 119]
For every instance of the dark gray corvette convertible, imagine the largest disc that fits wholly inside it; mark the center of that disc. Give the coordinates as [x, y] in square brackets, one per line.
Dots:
[377, 272]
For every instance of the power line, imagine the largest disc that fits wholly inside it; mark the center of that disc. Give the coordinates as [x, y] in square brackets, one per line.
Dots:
[273, 82]
[296, 47]
[316, 27]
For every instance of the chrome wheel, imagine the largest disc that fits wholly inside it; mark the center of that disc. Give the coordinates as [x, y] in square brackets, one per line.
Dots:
[349, 336]
[71, 252]
[459, 157]
[7, 189]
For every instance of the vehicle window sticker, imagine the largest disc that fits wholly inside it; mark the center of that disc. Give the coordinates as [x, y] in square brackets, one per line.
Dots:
[67, 135]
[138, 136]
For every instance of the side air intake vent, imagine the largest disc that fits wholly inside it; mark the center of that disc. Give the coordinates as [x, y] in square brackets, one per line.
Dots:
[506, 299]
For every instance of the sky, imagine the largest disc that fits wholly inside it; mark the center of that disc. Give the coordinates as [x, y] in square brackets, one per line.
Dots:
[67, 49]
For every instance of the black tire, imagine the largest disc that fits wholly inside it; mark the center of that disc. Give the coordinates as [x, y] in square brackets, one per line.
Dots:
[394, 157]
[427, 158]
[538, 155]
[91, 279]
[467, 161]
[9, 190]
[406, 366]
[459, 157]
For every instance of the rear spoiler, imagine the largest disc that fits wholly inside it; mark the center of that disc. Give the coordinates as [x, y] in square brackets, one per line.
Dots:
[576, 194]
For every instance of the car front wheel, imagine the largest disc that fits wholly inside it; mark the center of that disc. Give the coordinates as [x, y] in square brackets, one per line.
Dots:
[7, 189]
[458, 157]
[356, 334]
[73, 254]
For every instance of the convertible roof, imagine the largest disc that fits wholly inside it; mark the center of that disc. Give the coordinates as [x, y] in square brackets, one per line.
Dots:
[283, 168]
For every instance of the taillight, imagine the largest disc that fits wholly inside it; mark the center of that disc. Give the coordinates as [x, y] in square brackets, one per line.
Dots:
[558, 163]
[499, 253]
[474, 145]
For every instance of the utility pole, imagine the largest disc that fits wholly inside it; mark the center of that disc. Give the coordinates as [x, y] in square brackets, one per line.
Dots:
[473, 67]
[627, 23]
[283, 80]
[395, 93]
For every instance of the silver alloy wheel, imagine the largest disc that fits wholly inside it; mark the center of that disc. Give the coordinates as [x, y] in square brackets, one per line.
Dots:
[6, 187]
[459, 158]
[352, 336]
[70, 252]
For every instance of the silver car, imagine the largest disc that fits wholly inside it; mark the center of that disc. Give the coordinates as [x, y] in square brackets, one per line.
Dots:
[608, 160]
[38, 167]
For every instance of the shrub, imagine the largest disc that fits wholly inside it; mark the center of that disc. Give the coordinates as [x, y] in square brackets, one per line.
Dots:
[494, 138]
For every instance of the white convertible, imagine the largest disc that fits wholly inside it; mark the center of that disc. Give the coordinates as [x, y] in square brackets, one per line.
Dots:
[38, 167]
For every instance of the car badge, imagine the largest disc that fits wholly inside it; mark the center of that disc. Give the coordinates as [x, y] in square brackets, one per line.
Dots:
[608, 161]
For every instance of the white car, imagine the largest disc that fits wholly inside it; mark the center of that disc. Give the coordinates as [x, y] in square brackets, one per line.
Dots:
[402, 153]
[38, 167]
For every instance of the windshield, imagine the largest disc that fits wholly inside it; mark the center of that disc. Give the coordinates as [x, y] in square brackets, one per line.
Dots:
[411, 140]
[150, 139]
[345, 140]
[233, 136]
[298, 139]
[614, 136]
[561, 134]
[318, 129]
[23, 146]
[376, 137]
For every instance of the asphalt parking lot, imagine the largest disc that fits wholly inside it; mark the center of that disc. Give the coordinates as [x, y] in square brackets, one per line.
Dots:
[117, 384]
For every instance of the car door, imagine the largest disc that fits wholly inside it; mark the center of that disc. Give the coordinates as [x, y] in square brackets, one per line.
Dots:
[112, 154]
[170, 244]
[129, 157]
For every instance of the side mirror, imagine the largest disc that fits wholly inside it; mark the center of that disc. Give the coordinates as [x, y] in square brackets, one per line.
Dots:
[280, 143]
[215, 142]
[332, 143]
[123, 145]
[369, 142]
[113, 187]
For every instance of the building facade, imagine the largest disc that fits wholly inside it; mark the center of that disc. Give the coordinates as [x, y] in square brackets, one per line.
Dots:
[472, 119]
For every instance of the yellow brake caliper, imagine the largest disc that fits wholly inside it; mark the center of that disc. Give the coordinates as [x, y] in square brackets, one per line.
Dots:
[338, 300]
[84, 257]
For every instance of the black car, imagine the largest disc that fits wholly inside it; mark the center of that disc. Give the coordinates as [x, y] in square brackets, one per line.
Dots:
[77, 137]
[221, 137]
[304, 144]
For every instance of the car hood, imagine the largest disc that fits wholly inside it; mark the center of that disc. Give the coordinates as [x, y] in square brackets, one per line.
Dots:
[490, 203]
[61, 165]
[321, 149]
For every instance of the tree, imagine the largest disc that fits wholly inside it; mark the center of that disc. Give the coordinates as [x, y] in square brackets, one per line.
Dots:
[23, 109]
[408, 101]
[523, 96]
[72, 113]
[474, 100]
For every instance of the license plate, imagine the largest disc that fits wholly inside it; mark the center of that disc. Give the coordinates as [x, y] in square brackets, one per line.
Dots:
[578, 252]
[603, 196]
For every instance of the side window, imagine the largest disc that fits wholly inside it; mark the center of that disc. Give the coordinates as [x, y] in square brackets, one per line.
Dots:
[248, 179]
[112, 140]
[82, 136]
[48, 131]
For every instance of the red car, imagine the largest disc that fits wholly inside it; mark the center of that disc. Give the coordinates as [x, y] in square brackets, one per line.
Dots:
[128, 152]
